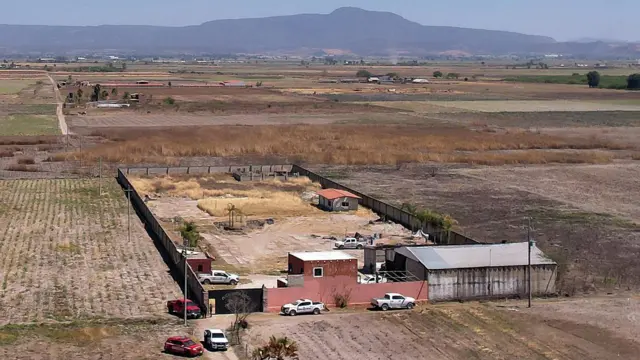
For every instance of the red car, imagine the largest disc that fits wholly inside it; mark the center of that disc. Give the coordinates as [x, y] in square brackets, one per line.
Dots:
[183, 345]
[177, 307]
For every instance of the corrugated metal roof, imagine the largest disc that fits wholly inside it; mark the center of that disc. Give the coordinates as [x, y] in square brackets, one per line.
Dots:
[322, 255]
[331, 194]
[475, 256]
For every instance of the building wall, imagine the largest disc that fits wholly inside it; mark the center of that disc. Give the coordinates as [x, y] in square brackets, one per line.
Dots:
[200, 265]
[359, 294]
[331, 268]
[371, 257]
[336, 204]
[464, 284]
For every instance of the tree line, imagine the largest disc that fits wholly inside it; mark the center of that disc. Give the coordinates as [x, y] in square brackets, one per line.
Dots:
[633, 80]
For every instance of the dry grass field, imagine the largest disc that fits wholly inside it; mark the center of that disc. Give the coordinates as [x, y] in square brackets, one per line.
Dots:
[350, 144]
[65, 254]
[509, 106]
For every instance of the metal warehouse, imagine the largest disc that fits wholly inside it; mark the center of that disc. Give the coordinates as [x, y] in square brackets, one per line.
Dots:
[476, 271]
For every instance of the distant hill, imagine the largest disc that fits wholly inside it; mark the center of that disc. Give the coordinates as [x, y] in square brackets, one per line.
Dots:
[346, 30]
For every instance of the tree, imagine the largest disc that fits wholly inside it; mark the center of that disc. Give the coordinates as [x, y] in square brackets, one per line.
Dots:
[170, 84]
[276, 349]
[189, 231]
[79, 94]
[453, 76]
[593, 79]
[126, 96]
[633, 82]
[363, 73]
[96, 93]
[124, 66]
[437, 74]
[104, 94]
[169, 101]
[114, 92]
[241, 306]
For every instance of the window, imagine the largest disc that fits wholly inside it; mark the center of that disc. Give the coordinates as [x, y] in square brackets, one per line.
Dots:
[200, 268]
[345, 204]
[318, 272]
[306, 303]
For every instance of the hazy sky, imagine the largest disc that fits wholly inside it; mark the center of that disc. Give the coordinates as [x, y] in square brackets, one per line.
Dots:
[561, 19]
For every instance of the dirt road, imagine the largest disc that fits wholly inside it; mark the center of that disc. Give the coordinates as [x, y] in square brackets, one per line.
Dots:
[216, 322]
[59, 100]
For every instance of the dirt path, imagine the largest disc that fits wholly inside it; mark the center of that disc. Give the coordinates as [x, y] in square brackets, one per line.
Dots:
[61, 120]
[216, 322]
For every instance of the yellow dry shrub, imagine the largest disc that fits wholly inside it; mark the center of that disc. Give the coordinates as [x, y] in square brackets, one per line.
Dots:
[271, 204]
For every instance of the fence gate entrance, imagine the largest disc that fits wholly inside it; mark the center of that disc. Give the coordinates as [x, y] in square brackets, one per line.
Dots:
[219, 300]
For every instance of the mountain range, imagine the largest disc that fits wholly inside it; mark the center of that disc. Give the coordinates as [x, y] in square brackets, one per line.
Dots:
[346, 30]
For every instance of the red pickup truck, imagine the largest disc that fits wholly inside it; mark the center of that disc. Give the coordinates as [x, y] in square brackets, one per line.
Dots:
[177, 307]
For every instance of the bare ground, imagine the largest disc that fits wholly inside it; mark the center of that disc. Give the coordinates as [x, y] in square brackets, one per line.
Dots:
[583, 216]
[65, 254]
[549, 330]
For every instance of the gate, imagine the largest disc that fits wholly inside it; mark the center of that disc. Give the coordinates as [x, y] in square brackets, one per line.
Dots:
[217, 297]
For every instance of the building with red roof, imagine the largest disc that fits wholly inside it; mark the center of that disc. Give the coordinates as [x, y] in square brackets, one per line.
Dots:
[337, 200]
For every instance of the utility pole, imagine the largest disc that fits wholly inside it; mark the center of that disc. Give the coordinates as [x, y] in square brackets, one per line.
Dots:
[100, 176]
[184, 254]
[129, 214]
[529, 246]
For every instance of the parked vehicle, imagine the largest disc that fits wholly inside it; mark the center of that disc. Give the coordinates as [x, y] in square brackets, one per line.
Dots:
[219, 277]
[215, 339]
[177, 307]
[393, 301]
[371, 279]
[182, 345]
[302, 306]
[351, 243]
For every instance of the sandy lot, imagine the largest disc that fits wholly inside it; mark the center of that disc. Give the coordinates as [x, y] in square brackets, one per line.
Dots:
[65, 254]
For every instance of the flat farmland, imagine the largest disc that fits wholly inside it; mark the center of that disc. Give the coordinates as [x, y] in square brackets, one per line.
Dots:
[505, 330]
[65, 254]
[510, 106]
[585, 216]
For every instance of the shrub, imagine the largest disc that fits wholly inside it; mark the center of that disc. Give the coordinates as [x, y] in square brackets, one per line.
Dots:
[341, 300]
[6, 154]
[169, 101]
[437, 74]
[363, 73]
[633, 82]
[21, 167]
[26, 161]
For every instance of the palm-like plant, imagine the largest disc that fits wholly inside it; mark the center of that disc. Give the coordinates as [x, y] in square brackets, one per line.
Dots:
[277, 349]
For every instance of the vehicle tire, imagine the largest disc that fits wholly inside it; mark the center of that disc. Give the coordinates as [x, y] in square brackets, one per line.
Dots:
[207, 282]
[384, 307]
[410, 306]
[292, 313]
[169, 309]
[359, 247]
[341, 247]
[316, 311]
[233, 282]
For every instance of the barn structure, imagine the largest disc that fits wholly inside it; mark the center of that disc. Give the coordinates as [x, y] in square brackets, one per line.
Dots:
[468, 272]
[337, 200]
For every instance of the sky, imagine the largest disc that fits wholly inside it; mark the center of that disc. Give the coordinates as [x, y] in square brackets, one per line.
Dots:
[560, 19]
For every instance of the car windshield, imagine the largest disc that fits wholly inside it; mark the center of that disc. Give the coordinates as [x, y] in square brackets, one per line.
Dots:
[190, 303]
[217, 335]
[297, 302]
[188, 343]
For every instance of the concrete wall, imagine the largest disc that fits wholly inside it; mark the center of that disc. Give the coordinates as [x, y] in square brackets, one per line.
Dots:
[175, 257]
[360, 294]
[206, 169]
[496, 282]
[371, 257]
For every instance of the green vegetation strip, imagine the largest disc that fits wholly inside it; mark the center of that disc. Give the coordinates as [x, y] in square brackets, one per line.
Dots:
[606, 81]
[21, 125]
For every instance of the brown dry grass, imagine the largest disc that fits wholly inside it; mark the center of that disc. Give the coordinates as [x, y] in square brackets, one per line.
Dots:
[271, 203]
[226, 185]
[21, 167]
[6, 153]
[29, 140]
[344, 144]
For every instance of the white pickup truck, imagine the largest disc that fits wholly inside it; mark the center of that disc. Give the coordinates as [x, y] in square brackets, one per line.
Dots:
[393, 301]
[302, 306]
[219, 277]
[350, 243]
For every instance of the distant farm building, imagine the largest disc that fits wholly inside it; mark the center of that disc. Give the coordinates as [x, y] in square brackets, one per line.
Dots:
[467, 272]
[337, 200]
[234, 83]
